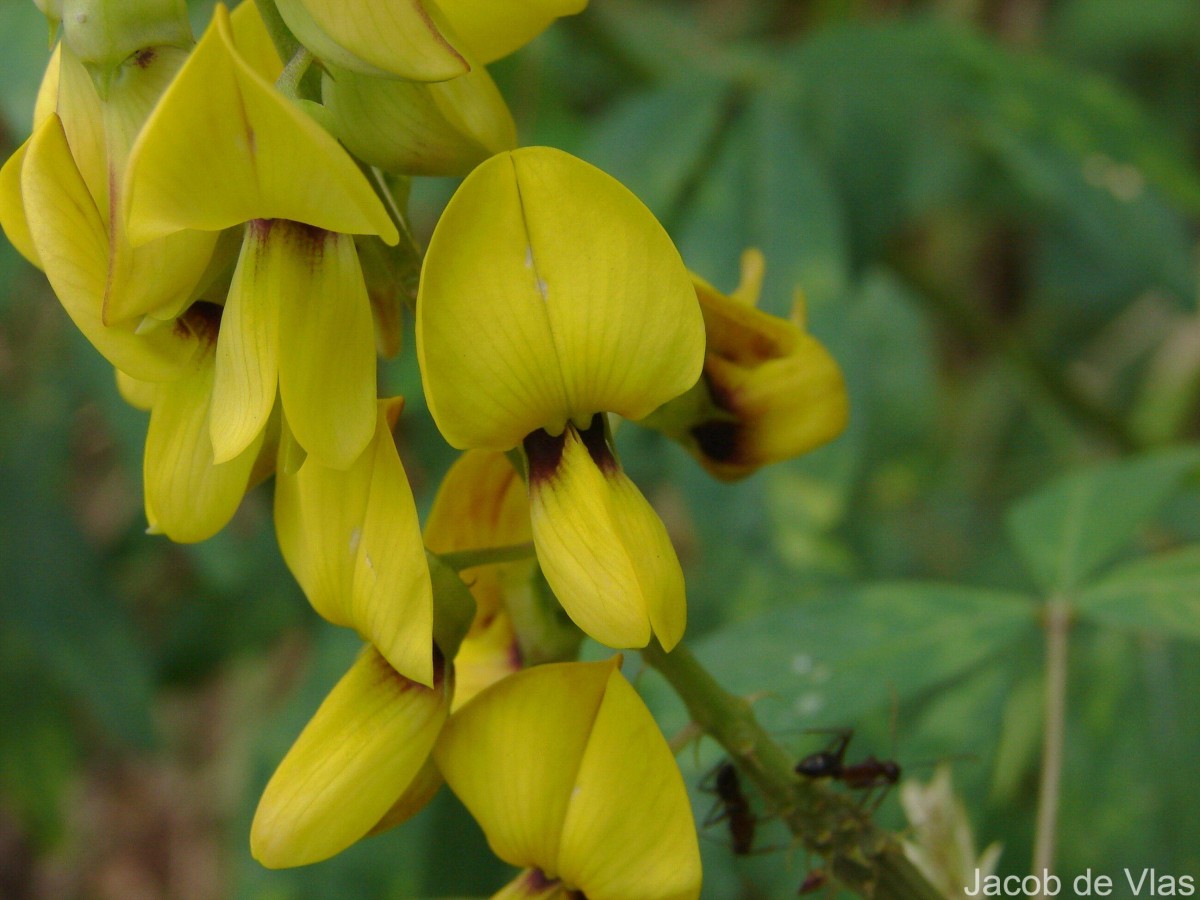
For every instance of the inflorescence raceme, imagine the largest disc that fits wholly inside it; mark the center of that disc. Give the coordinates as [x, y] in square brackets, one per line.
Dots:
[229, 233]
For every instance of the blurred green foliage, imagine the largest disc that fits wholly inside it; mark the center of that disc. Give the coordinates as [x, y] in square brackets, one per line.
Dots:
[991, 207]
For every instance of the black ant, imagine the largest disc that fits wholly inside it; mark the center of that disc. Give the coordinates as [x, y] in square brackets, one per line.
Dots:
[867, 775]
[730, 806]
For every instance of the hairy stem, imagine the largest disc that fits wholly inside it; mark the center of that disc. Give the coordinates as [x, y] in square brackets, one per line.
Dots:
[864, 858]
[1058, 626]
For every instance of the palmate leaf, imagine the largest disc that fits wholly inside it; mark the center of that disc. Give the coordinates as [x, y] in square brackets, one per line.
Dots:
[1069, 529]
[829, 660]
[1161, 594]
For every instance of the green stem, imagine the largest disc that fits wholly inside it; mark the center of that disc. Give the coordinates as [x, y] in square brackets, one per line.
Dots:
[1058, 627]
[864, 858]
[285, 42]
[288, 82]
[459, 560]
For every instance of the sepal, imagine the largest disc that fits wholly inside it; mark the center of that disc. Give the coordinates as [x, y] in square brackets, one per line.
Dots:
[414, 128]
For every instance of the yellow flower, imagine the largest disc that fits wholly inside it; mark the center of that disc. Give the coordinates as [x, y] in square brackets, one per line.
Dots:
[567, 773]
[352, 540]
[549, 296]
[360, 763]
[297, 316]
[158, 279]
[71, 243]
[769, 392]
[480, 504]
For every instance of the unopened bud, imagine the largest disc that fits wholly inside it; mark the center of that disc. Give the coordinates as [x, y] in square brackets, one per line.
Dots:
[418, 128]
[104, 33]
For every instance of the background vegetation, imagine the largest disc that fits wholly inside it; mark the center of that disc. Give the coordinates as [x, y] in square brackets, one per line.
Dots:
[991, 206]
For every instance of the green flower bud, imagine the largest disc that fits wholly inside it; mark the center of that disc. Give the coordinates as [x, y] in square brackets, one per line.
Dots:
[418, 128]
[104, 33]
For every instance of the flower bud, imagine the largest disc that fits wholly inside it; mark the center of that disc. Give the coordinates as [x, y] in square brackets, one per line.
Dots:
[104, 33]
[414, 128]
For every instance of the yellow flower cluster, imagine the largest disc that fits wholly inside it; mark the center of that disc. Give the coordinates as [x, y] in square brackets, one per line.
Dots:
[210, 228]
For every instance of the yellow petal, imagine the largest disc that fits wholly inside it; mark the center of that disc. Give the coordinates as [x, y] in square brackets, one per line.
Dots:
[47, 95]
[403, 38]
[549, 292]
[783, 407]
[602, 548]
[415, 128]
[512, 753]
[12, 207]
[393, 596]
[138, 394]
[425, 784]
[480, 503]
[358, 754]
[565, 770]
[188, 497]
[82, 114]
[775, 391]
[629, 830]
[493, 30]
[326, 343]
[247, 367]
[260, 157]
[253, 41]
[72, 244]
[352, 539]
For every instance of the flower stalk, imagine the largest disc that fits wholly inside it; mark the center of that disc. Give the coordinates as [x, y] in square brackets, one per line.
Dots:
[861, 856]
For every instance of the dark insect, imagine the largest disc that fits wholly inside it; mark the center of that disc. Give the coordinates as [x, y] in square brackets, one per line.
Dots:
[731, 806]
[866, 775]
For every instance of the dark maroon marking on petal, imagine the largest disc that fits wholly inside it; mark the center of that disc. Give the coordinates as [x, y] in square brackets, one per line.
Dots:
[310, 242]
[515, 658]
[203, 319]
[258, 231]
[536, 880]
[718, 439]
[597, 446]
[143, 58]
[544, 453]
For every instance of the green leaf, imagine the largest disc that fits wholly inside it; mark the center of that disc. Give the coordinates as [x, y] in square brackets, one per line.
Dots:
[827, 661]
[653, 141]
[1161, 593]
[1071, 528]
[765, 186]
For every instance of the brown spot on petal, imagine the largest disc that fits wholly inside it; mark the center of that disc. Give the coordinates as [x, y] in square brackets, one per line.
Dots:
[597, 446]
[203, 319]
[143, 58]
[544, 453]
